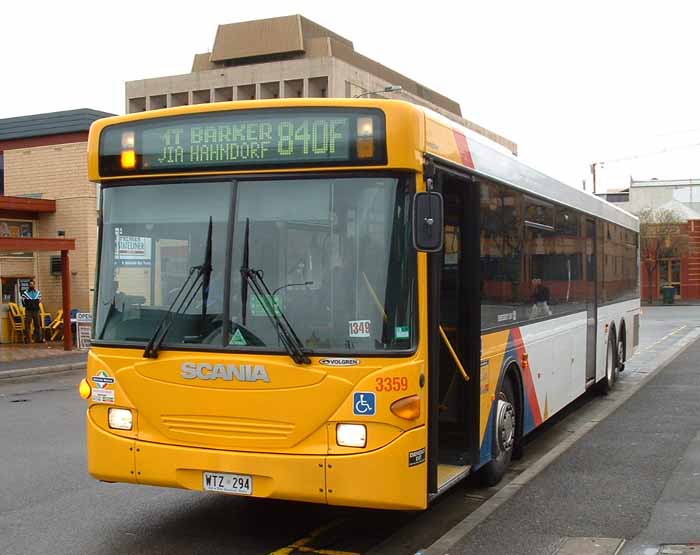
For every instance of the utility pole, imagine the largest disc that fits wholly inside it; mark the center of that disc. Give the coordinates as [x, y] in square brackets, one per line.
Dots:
[593, 165]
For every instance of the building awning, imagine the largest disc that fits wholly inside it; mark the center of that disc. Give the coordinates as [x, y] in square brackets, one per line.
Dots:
[36, 244]
[23, 207]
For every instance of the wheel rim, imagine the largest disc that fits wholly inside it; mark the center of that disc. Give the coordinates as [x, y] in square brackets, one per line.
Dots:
[505, 426]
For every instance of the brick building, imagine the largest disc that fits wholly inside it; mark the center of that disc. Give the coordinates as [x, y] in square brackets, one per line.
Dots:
[678, 267]
[45, 193]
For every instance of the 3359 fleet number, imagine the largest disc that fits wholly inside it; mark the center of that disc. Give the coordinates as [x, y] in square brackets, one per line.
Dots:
[392, 384]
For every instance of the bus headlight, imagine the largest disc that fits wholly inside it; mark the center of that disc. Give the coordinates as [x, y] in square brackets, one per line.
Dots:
[351, 435]
[120, 419]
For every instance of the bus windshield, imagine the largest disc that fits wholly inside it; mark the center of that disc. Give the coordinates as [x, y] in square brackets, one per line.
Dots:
[334, 254]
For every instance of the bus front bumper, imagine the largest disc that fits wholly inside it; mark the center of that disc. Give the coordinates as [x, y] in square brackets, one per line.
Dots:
[387, 478]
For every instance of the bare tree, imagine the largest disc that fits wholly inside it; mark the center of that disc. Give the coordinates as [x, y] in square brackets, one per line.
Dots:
[660, 236]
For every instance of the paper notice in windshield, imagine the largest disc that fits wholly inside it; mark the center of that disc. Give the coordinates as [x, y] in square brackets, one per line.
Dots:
[359, 328]
[257, 309]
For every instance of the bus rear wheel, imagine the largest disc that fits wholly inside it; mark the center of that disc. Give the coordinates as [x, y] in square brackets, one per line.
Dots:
[622, 351]
[611, 368]
[505, 431]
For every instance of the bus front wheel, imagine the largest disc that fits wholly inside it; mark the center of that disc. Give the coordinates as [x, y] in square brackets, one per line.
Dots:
[505, 435]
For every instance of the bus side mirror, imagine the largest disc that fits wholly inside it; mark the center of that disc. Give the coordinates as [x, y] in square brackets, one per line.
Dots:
[428, 222]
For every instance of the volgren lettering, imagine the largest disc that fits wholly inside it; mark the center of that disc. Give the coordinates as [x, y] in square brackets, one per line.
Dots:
[228, 372]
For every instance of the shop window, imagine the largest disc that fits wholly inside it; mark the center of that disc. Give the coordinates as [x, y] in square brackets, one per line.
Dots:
[13, 287]
[16, 228]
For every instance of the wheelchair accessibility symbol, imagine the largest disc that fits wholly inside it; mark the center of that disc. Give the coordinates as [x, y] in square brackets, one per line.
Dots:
[364, 403]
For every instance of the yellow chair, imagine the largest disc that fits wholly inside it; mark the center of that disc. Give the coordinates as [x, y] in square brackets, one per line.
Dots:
[46, 320]
[56, 326]
[16, 322]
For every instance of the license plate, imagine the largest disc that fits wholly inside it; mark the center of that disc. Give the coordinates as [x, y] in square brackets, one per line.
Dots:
[240, 484]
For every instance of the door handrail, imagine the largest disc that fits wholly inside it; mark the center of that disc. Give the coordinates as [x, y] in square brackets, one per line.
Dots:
[454, 354]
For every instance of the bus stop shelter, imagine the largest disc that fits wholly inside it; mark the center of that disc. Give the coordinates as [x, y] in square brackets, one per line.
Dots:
[59, 244]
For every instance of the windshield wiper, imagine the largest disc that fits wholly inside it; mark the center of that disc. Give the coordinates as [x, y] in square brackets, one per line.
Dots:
[254, 278]
[190, 287]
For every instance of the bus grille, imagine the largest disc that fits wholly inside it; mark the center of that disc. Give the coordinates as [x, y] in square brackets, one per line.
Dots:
[227, 427]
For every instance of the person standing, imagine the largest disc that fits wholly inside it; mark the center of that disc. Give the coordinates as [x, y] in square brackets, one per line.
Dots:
[30, 299]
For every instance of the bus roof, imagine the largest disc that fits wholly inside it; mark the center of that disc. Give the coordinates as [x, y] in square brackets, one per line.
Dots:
[490, 160]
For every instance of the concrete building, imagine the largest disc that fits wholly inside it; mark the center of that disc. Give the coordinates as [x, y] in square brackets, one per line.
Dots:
[286, 57]
[45, 193]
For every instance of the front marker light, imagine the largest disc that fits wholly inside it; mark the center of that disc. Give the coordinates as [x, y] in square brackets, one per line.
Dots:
[365, 137]
[407, 407]
[351, 435]
[120, 419]
[84, 389]
[128, 159]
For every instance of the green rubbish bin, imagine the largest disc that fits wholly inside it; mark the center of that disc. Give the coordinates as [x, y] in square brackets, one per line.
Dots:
[667, 294]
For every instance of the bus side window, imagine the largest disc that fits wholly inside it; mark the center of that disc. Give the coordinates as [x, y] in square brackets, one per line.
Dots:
[503, 292]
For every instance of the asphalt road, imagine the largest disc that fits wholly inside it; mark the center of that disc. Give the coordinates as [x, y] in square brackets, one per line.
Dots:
[613, 482]
[49, 504]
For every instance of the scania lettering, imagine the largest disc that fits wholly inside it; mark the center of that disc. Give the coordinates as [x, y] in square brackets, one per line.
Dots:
[243, 373]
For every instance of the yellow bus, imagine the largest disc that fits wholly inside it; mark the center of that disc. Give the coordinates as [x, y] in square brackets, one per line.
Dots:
[350, 302]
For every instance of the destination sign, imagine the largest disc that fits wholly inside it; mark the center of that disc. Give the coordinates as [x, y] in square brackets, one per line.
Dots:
[245, 139]
[266, 140]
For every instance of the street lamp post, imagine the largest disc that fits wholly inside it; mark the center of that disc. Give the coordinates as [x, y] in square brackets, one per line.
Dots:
[387, 89]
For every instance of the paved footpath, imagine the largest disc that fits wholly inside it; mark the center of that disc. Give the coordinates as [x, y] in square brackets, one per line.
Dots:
[631, 485]
[32, 367]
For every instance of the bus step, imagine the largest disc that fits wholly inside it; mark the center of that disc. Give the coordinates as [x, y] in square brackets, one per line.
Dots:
[449, 475]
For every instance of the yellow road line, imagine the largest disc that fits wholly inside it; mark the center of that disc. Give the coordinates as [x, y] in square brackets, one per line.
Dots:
[302, 544]
[325, 551]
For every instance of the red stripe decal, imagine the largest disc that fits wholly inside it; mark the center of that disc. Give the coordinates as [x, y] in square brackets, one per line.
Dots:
[519, 345]
[463, 149]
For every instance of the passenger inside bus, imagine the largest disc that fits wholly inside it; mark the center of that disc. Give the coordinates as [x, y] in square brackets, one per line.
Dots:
[540, 300]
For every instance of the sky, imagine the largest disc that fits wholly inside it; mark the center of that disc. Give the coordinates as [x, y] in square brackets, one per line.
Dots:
[572, 83]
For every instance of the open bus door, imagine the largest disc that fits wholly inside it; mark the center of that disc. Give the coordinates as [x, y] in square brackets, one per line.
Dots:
[454, 334]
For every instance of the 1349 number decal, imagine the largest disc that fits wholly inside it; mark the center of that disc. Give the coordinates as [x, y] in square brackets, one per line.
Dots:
[392, 384]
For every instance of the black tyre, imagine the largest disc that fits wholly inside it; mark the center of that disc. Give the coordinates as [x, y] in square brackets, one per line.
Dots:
[506, 427]
[621, 351]
[611, 368]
